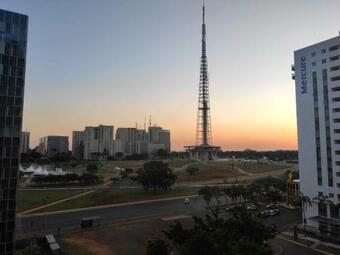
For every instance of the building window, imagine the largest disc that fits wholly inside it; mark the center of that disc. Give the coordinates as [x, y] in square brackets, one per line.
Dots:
[336, 89]
[324, 61]
[313, 63]
[333, 48]
[323, 51]
[322, 209]
[334, 58]
[334, 210]
[320, 193]
[338, 197]
[328, 132]
[331, 195]
[313, 54]
[336, 78]
[335, 68]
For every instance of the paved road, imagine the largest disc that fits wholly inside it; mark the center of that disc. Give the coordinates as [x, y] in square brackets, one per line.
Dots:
[27, 224]
[51, 221]
[294, 249]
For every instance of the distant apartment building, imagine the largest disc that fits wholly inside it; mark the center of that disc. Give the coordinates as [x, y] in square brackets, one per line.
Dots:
[138, 141]
[98, 142]
[317, 81]
[126, 138]
[159, 138]
[78, 144]
[24, 142]
[51, 146]
[13, 42]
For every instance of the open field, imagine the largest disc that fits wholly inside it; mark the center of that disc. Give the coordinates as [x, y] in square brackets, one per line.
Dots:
[31, 199]
[209, 171]
[257, 167]
[106, 197]
[222, 169]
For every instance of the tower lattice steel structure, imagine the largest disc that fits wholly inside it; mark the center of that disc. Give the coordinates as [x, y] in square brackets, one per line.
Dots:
[203, 127]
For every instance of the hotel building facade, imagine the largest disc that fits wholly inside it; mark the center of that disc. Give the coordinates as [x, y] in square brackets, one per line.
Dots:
[317, 80]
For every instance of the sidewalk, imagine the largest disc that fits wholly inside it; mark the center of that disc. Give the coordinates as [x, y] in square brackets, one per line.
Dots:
[314, 243]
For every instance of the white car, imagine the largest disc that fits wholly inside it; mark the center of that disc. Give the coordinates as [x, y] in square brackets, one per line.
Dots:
[187, 200]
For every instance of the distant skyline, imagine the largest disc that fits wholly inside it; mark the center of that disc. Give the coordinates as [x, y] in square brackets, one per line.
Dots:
[115, 62]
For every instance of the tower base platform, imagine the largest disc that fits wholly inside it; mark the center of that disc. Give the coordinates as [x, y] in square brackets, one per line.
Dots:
[202, 152]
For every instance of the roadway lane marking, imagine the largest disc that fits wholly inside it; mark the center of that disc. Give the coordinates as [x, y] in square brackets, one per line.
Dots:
[107, 206]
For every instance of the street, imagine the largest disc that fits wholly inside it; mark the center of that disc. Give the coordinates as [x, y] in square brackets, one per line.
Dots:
[50, 222]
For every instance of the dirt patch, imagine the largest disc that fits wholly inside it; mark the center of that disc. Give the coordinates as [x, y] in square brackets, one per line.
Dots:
[92, 246]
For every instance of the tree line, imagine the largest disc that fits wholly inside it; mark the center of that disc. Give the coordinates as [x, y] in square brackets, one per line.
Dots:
[86, 178]
[265, 189]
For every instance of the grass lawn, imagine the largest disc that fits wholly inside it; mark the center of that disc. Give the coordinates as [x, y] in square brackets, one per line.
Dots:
[106, 197]
[257, 167]
[31, 199]
[209, 171]
[175, 163]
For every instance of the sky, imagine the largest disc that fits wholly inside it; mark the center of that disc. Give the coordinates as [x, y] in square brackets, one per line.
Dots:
[115, 62]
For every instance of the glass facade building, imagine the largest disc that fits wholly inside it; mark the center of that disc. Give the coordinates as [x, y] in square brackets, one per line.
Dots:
[13, 41]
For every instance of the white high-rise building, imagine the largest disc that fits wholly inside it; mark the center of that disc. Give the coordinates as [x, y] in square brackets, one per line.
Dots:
[98, 142]
[317, 80]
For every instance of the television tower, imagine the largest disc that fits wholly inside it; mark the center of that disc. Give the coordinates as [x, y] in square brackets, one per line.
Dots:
[203, 127]
[203, 150]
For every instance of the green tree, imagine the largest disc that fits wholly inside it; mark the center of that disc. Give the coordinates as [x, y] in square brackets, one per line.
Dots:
[92, 168]
[119, 155]
[239, 235]
[305, 201]
[192, 170]
[157, 246]
[156, 175]
[124, 173]
[206, 193]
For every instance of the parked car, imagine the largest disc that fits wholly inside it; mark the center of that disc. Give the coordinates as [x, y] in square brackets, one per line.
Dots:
[252, 207]
[263, 214]
[274, 212]
[272, 206]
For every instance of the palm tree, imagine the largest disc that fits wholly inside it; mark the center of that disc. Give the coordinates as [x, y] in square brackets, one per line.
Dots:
[205, 192]
[306, 201]
[323, 200]
[227, 194]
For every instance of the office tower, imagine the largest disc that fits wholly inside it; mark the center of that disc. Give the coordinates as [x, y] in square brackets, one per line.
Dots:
[142, 140]
[317, 81]
[78, 144]
[203, 150]
[126, 138]
[159, 138]
[51, 146]
[24, 142]
[98, 142]
[13, 40]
